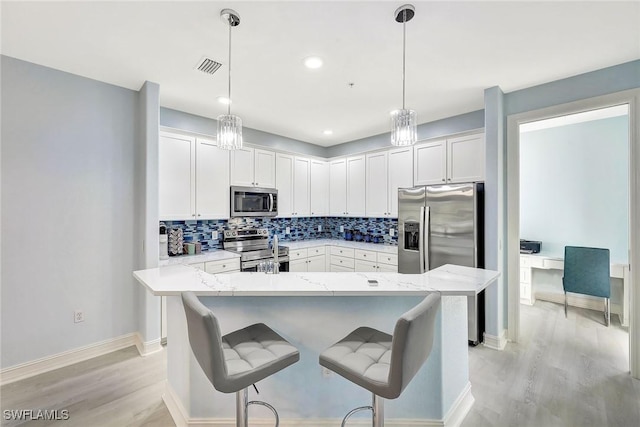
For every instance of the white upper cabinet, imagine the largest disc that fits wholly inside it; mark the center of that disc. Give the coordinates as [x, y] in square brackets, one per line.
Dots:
[253, 167]
[193, 178]
[430, 163]
[356, 186]
[301, 171]
[452, 160]
[212, 180]
[292, 182]
[466, 158]
[284, 184]
[377, 199]
[338, 187]
[176, 177]
[319, 188]
[386, 172]
[400, 175]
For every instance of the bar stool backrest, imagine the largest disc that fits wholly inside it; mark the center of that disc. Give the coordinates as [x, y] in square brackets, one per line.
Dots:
[412, 343]
[205, 339]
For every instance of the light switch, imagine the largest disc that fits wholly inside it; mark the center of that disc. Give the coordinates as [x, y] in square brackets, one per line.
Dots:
[287, 230]
[319, 227]
[214, 235]
[342, 228]
[392, 232]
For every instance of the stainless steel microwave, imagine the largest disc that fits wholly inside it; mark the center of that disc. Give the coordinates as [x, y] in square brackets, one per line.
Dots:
[254, 201]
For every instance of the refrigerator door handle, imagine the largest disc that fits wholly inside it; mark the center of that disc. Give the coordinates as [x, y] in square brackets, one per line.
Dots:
[427, 234]
[423, 243]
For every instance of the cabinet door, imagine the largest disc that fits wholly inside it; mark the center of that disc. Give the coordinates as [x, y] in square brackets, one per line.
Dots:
[242, 167]
[301, 187]
[338, 187]
[364, 266]
[316, 263]
[284, 184]
[298, 265]
[319, 188]
[466, 158]
[265, 168]
[430, 163]
[400, 175]
[356, 186]
[340, 269]
[176, 181]
[212, 180]
[377, 199]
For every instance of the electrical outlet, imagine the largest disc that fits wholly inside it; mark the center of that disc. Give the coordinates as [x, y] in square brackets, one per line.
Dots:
[392, 232]
[342, 228]
[326, 373]
[78, 316]
[319, 227]
[287, 230]
[214, 235]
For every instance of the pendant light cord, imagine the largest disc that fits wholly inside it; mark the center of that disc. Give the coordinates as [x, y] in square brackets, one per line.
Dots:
[404, 47]
[229, 105]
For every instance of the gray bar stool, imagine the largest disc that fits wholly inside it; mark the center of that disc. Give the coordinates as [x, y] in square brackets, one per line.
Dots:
[239, 359]
[381, 363]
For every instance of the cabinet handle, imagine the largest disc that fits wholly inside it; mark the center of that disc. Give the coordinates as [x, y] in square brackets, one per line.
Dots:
[257, 183]
[442, 179]
[199, 215]
[193, 214]
[224, 265]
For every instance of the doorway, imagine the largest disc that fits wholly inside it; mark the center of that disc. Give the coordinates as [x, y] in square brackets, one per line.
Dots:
[514, 123]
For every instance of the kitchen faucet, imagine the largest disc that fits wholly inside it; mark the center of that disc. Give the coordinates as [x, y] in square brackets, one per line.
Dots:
[276, 263]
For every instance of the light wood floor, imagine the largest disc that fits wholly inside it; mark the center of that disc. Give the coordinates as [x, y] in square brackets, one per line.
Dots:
[563, 373]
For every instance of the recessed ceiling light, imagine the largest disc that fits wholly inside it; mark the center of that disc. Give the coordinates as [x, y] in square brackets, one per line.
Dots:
[313, 62]
[328, 132]
[223, 100]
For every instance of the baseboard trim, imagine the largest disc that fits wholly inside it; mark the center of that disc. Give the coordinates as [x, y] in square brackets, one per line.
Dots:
[494, 342]
[66, 358]
[148, 347]
[460, 408]
[454, 417]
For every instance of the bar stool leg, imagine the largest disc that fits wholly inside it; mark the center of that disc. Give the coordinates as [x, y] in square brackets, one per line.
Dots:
[378, 411]
[241, 408]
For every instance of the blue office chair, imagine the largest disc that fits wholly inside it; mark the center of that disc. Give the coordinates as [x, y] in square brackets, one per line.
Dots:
[586, 271]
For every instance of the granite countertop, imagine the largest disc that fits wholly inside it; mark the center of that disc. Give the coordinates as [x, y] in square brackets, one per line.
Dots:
[220, 254]
[447, 279]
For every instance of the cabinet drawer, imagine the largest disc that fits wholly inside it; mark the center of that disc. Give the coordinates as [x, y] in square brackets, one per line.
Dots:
[525, 275]
[525, 292]
[364, 255]
[297, 254]
[525, 261]
[384, 258]
[555, 264]
[214, 267]
[337, 250]
[364, 266]
[341, 269]
[198, 265]
[318, 250]
[342, 261]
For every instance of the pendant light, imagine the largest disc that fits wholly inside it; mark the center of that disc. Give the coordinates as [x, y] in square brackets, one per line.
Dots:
[229, 126]
[404, 122]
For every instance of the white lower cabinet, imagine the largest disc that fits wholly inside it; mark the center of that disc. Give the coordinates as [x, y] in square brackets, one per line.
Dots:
[316, 263]
[364, 266]
[298, 265]
[224, 266]
[307, 260]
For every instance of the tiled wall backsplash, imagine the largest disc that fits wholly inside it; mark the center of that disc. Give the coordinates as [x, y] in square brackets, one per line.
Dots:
[301, 228]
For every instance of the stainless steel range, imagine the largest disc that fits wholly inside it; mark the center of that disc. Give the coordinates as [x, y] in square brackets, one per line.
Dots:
[253, 246]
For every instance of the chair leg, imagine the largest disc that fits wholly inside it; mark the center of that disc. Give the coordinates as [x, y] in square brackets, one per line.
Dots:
[607, 313]
[241, 408]
[565, 304]
[376, 408]
[378, 411]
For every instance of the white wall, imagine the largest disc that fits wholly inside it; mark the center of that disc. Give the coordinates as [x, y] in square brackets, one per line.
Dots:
[574, 186]
[68, 209]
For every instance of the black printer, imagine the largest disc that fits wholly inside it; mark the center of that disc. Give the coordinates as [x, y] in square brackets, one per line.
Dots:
[530, 246]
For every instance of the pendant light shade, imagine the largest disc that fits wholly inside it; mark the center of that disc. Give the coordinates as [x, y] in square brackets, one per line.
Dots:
[404, 128]
[229, 136]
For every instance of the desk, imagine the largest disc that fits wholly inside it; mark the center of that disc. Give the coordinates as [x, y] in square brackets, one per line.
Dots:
[528, 262]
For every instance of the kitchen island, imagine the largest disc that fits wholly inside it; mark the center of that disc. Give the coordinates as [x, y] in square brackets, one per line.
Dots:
[312, 311]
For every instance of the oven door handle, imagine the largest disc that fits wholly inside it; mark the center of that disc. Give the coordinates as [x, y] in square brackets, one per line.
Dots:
[251, 264]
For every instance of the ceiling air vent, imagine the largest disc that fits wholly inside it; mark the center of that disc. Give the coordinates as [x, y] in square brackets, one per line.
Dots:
[207, 65]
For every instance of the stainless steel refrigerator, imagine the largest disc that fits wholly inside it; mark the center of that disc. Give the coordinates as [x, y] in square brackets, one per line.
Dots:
[444, 224]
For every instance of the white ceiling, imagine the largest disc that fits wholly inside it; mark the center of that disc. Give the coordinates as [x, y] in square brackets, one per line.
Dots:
[454, 51]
